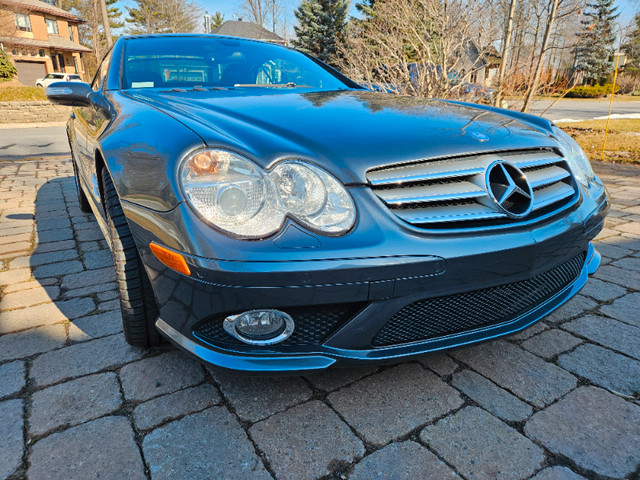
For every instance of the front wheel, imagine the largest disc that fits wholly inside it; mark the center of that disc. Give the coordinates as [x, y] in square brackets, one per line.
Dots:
[139, 309]
[83, 202]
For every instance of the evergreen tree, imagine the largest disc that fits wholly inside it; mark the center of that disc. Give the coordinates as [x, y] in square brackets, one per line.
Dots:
[321, 23]
[7, 69]
[594, 51]
[217, 20]
[145, 17]
[366, 8]
[163, 16]
[632, 47]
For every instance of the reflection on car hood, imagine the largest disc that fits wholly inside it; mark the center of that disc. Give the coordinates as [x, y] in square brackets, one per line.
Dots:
[347, 131]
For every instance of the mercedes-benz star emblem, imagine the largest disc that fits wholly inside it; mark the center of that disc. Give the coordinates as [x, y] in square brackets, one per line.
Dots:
[481, 137]
[509, 189]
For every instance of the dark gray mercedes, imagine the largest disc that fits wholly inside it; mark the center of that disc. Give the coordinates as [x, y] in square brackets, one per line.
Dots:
[266, 213]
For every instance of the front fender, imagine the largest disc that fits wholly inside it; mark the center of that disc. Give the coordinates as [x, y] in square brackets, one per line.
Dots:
[141, 149]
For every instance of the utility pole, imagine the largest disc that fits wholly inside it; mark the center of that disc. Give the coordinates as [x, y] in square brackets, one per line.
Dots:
[506, 45]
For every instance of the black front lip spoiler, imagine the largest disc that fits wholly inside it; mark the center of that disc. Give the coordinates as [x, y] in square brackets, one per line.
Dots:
[305, 362]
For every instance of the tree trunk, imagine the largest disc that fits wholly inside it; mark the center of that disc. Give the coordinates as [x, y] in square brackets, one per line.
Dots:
[105, 23]
[536, 78]
[96, 32]
[505, 53]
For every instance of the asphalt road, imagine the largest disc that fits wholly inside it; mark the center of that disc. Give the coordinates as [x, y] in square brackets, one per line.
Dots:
[583, 109]
[33, 142]
[21, 143]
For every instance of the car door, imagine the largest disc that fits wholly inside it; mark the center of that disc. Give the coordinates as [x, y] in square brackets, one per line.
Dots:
[89, 123]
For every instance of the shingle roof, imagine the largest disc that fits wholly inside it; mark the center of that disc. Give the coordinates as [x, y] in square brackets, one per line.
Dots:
[41, 7]
[59, 43]
[238, 28]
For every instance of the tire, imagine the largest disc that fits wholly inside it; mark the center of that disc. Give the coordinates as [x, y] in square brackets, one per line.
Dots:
[83, 202]
[139, 309]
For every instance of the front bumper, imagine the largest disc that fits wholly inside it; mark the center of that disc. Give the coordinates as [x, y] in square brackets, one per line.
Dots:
[379, 286]
[305, 361]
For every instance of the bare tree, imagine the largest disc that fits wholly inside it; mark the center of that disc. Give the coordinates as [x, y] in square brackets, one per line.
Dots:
[533, 87]
[256, 10]
[264, 11]
[418, 47]
[105, 24]
[506, 48]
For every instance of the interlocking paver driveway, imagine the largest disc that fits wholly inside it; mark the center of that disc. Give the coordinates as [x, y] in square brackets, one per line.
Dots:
[558, 401]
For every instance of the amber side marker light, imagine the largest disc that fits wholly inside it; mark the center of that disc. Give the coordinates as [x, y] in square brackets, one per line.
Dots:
[171, 259]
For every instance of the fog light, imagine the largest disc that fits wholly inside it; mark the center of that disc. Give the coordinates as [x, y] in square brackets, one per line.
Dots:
[260, 327]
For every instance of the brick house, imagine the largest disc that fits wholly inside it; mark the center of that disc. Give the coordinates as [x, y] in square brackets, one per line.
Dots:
[40, 39]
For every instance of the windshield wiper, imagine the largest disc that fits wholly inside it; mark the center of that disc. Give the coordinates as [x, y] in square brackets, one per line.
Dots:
[271, 85]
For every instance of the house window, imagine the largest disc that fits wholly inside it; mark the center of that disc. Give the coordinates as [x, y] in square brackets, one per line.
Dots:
[23, 23]
[52, 26]
[70, 33]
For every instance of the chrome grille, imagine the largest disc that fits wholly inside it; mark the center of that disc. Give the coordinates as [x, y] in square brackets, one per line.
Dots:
[451, 192]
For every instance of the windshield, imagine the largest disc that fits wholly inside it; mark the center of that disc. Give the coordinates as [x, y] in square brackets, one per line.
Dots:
[187, 62]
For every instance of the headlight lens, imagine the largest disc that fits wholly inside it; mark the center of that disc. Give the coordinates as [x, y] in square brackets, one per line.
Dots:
[237, 196]
[577, 159]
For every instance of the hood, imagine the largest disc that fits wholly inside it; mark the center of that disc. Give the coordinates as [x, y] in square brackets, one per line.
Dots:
[347, 132]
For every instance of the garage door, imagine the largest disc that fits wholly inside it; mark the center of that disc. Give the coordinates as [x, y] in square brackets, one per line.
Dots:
[29, 72]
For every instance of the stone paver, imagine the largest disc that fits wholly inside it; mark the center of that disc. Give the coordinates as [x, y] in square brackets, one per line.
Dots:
[11, 443]
[82, 359]
[440, 363]
[491, 397]
[209, 444]
[155, 376]
[95, 326]
[527, 376]
[12, 378]
[576, 306]
[74, 402]
[169, 407]
[481, 446]
[402, 461]
[597, 430]
[408, 394]
[77, 402]
[28, 298]
[609, 333]
[29, 342]
[339, 377]
[551, 343]
[255, 398]
[625, 309]
[557, 473]
[103, 448]
[318, 443]
[603, 367]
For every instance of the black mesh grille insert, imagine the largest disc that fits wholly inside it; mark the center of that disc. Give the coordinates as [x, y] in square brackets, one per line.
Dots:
[441, 316]
[314, 324]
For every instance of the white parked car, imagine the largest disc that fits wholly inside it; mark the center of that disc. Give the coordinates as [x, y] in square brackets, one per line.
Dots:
[57, 77]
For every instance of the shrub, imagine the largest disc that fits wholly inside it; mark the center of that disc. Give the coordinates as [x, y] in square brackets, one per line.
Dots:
[7, 69]
[588, 91]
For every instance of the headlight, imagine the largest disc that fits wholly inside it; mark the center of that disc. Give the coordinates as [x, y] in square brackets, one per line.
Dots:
[578, 161]
[237, 196]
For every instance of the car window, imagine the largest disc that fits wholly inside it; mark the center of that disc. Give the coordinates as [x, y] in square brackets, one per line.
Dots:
[51, 75]
[179, 62]
[75, 77]
[101, 74]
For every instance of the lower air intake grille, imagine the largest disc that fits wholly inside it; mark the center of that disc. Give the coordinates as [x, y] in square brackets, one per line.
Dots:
[313, 325]
[442, 316]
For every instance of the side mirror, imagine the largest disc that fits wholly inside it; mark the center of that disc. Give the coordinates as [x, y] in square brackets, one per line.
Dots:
[73, 94]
